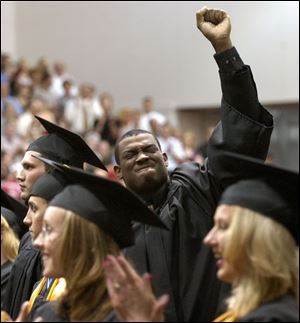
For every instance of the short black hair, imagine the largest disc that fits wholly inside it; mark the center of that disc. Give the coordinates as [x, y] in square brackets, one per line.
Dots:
[131, 133]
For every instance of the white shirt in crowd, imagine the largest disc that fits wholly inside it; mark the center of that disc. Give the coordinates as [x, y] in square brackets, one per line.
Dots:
[81, 114]
[146, 118]
[173, 148]
[57, 86]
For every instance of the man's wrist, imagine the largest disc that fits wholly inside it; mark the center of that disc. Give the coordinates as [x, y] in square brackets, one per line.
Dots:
[229, 60]
[221, 46]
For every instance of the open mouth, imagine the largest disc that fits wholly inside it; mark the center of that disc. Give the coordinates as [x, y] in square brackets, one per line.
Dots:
[219, 259]
[219, 262]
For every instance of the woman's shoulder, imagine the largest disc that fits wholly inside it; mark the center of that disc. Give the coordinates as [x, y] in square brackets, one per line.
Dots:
[282, 309]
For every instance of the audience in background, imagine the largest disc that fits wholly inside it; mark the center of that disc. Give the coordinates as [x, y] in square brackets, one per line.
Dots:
[52, 94]
[84, 111]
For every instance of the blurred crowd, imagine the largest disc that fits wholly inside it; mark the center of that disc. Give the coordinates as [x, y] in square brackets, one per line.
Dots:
[52, 93]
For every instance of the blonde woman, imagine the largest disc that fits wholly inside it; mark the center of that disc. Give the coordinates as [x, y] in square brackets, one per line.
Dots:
[80, 229]
[259, 257]
[75, 248]
[255, 241]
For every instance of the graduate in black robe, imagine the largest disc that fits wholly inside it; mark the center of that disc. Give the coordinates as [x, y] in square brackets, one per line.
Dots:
[14, 212]
[45, 188]
[282, 309]
[91, 199]
[186, 200]
[63, 146]
[263, 268]
[26, 271]
[5, 272]
[255, 241]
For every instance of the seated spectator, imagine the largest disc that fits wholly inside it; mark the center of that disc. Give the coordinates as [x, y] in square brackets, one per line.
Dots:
[26, 120]
[189, 139]
[65, 98]
[21, 76]
[83, 112]
[9, 181]
[107, 126]
[6, 98]
[10, 140]
[129, 119]
[57, 79]
[172, 147]
[6, 67]
[43, 91]
[149, 114]
[24, 95]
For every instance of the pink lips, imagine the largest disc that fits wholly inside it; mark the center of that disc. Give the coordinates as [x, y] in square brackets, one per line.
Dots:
[220, 262]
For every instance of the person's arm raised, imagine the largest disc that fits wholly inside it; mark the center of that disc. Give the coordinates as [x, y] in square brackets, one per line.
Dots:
[216, 27]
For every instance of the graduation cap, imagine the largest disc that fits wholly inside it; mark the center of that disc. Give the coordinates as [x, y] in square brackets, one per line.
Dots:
[106, 203]
[48, 185]
[14, 213]
[268, 190]
[64, 146]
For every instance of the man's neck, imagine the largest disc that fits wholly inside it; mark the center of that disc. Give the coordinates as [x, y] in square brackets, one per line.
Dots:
[157, 198]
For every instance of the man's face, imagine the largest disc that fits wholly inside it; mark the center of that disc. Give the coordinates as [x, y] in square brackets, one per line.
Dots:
[107, 104]
[143, 167]
[148, 106]
[31, 170]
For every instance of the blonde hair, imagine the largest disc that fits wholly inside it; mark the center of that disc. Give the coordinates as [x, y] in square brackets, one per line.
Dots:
[266, 257]
[84, 248]
[10, 242]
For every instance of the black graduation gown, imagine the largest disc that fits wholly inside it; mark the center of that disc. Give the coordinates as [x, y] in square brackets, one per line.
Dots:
[282, 309]
[49, 314]
[26, 271]
[179, 262]
[5, 272]
[40, 299]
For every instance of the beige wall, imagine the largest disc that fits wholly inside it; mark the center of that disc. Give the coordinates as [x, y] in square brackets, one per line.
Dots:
[8, 27]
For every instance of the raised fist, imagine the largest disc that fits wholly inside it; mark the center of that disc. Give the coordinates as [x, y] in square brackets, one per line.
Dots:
[215, 26]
